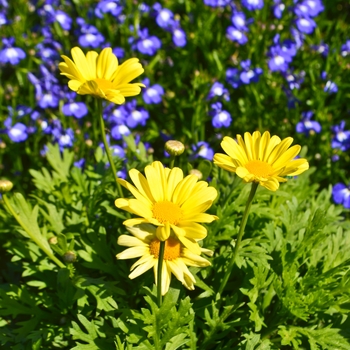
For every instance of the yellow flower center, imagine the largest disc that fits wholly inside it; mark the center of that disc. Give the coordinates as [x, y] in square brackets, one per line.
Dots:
[259, 168]
[104, 84]
[167, 212]
[172, 248]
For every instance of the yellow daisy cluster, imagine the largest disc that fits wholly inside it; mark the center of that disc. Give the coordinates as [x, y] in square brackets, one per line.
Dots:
[101, 75]
[170, 208]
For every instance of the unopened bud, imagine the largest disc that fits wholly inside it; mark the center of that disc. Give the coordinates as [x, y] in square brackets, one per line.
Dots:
[174, 148]
[53, 240]
[5, 186]
[69, 257]
[197, 173]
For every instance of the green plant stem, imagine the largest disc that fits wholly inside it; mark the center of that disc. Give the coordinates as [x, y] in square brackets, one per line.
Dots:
[108, 151]
[30, 234]
[240, 236]
[172, 162]
[159, 272]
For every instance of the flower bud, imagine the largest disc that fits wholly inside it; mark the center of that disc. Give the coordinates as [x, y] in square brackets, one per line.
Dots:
[53, 240]
[5, 186]
[174, 148]
[197, 173]
[69, 257]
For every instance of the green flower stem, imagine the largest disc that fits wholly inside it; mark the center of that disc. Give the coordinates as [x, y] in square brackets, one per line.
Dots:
[159, 272]
[31, 234]
[240, 236]
[108, 151]
[172, 162]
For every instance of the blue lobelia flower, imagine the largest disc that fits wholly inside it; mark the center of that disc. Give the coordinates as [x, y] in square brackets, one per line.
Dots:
[203, 150]
[11, 54]
[164, 17]
[305, 25]
[345, 49]
[75, 109]
[136, 115]
[341, 195]
[217, 3]
[218, 90]
[233, 77]
[341, 137]
[252, 5]
[108, 6]
[17, 132]
[152, 94]
[178, 35]
[221, 118]
[146, 44]
[237, 35]
[249, 75]
[306, 125]
[118, 131]
[89, 36]
[294, 80]
[278, 8]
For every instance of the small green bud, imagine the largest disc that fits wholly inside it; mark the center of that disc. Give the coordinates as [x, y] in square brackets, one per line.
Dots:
[174, 148]
[197, 173]
[53, 240]
[69, 257]
[5, 186]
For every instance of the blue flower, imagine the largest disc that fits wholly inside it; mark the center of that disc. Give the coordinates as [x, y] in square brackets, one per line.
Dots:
[345, 49]
[315, 7]
[203, 150]
[218, 90]
[89, 36]
[152, 94]
[237, 35]
[164, 18]
[278, 8]
[239, 21]
[136, 116]
[323, 49]
[341, 195]
[11, 54]
[108, 6]
[308, 126]
[221, 118]
[147, 44]
[118, 131]
[179, 36]
[249, 75]
[294, 80]
[17, 133]
[64, 138]
[279, 59]
[117, 151]
[252, 5]
[63, 19]
[80, 163]
[341, 137]
[233, 77]
[305, 25]
[75, 109]
[330, 87]
[217, 3]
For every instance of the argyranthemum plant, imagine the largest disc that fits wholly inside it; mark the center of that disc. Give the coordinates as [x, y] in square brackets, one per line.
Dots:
[101, 75]
[144, 244]
[166, 199]
[261, 159]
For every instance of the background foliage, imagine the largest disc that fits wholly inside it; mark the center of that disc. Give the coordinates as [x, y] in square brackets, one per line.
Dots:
[290, 287]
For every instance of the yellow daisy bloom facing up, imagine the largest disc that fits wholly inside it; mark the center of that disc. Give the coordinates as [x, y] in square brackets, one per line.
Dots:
[144, 244]
[101, 75]
[261, 158]
[166, 199]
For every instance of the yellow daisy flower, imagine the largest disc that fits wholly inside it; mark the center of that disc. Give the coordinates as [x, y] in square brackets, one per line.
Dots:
[144, 244]
[262, 159]
[101, 75]
[169, 201]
